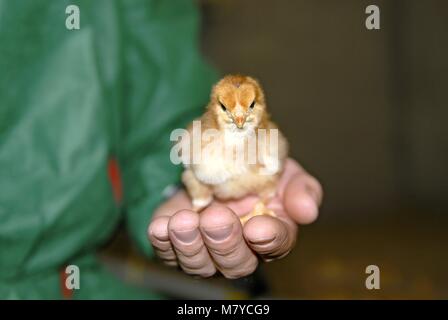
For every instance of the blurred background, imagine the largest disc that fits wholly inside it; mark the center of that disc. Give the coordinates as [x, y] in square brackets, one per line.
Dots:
[365, 112]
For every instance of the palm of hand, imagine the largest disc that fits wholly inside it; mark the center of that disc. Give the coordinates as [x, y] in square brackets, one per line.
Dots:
[214, 240]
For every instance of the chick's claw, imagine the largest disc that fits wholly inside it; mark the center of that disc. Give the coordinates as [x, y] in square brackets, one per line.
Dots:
[259, 210]
[200, 204]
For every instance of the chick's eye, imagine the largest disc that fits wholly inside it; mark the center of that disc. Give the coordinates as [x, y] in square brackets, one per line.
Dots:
[223, 107]
[252, 105]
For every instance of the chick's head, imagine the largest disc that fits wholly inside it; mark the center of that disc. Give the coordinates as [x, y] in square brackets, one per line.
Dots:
[238, 103]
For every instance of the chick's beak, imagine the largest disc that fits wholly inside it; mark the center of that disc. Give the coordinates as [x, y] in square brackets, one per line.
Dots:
[240, 121]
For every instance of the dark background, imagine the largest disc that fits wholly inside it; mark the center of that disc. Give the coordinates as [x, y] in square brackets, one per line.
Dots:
[365, 112]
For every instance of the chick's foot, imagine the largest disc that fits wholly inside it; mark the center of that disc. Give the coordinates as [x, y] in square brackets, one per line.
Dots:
[259, 210]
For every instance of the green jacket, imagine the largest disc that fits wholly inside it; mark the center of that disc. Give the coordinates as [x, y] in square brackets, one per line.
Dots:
[73, 103]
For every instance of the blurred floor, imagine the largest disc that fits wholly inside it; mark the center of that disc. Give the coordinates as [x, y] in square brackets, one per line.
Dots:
[329, 262]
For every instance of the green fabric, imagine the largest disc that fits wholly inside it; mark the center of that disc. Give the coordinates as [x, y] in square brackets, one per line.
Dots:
[69, 101]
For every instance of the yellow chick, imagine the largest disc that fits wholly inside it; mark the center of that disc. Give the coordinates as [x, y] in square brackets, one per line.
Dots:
[242, 152]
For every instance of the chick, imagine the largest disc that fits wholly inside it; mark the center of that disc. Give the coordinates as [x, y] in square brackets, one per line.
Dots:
[238, 118]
